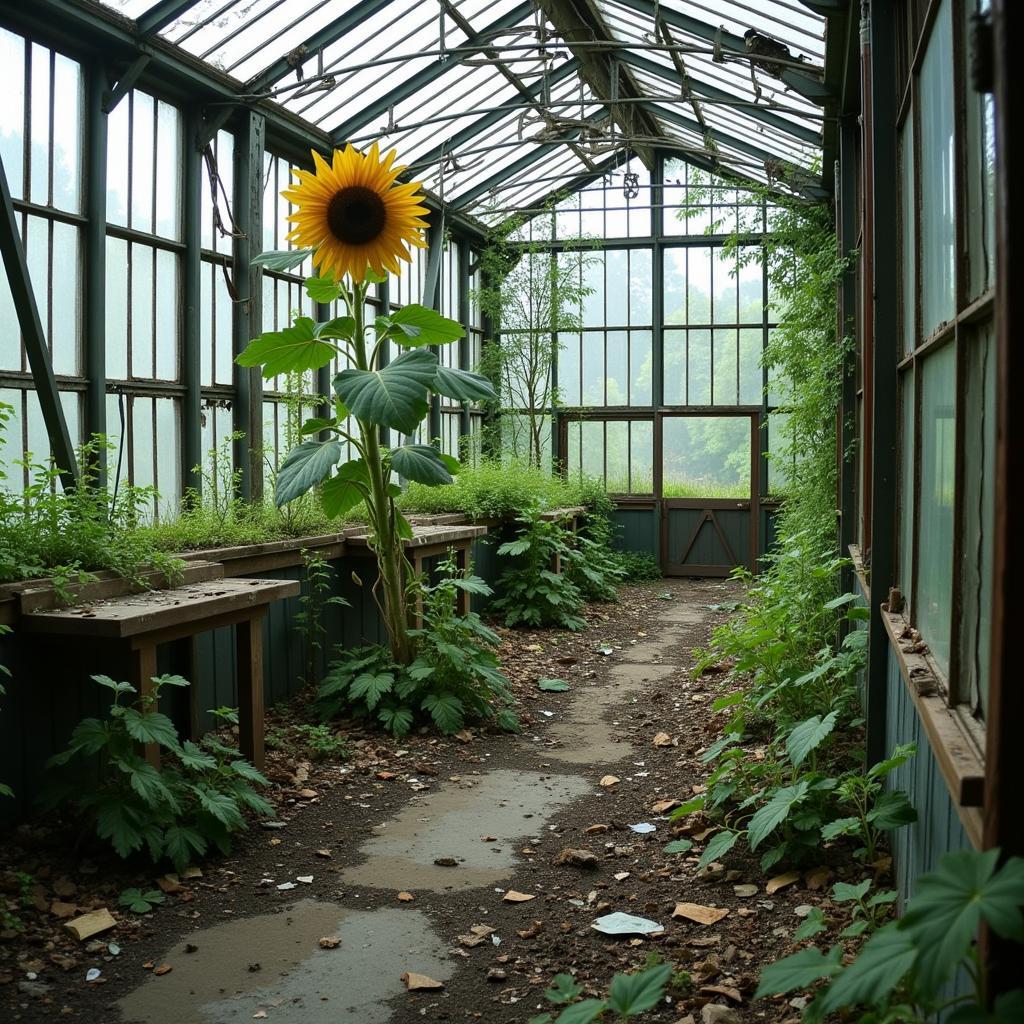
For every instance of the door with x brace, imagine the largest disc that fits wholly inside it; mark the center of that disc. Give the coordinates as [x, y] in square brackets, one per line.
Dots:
[709, 484]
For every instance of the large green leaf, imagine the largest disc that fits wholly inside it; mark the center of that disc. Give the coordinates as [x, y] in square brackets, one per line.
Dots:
[950, 903]
[798, 971]
[395, 396]
[631, 994]
[281, 259]
[582, 1013]
[306, 465]
[808, 735]
[345, 489]
[371, 686]
[447, 711]
[880, 966]
[150, 728]
[463, 385]
[322, 289]
[416, 325]
[892, 810]
[421, 463]
[721, 843]
[773, 813]
[296, 348]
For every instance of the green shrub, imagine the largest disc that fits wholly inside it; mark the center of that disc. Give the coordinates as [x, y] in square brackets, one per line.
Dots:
[531, 593]
[500, 490]
[197, 798]
[629, 995]
[455, 676]
[46, 531]
[638, 566]
[901, 972]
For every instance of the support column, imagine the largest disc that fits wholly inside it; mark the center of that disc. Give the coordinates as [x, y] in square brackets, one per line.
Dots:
[248, 405]
[846, 217]
[466, 341]
[432, 300]
[94, 285]
[191, 272]
[881, 308]
[1004, 769]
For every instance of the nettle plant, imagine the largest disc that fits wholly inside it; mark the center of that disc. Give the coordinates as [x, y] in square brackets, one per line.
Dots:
[456, 674]
[901, 975]
[355, 221]
[195, 800]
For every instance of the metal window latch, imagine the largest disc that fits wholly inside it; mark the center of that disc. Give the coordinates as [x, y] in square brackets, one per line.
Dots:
[982, 71]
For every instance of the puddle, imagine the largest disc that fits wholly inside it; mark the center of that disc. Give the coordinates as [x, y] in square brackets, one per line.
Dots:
[297, 982]
[449, 823]
[588, 735]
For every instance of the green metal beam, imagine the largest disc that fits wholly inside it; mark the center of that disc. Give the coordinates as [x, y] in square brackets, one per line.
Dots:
[479, 126]
[125, 83]
[34, 338]
[161, 15]
[523, 163]
[432, 300]
[414, 83]
[247, 412]
[653, 67]
[192, 267]
[330, 33]
[812, 191]
[466, 341]
[808, 83]
[94, 284]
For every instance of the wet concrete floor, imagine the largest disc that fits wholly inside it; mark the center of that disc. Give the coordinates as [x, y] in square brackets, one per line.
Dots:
[298, 982]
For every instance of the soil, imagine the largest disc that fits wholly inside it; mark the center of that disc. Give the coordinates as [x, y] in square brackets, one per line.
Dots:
[380, 823]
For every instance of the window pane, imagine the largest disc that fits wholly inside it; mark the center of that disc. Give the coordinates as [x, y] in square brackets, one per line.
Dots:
[908, 257]
[938, 467]
[976, 575]
[906, 495]
[706, 457]
[938, 209]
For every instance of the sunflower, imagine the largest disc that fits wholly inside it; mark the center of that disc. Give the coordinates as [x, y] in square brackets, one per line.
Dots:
[352, 212]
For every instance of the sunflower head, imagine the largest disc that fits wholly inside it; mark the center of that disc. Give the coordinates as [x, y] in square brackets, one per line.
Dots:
[355, 215]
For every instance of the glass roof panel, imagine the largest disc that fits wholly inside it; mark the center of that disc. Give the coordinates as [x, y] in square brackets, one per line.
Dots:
[471, 90]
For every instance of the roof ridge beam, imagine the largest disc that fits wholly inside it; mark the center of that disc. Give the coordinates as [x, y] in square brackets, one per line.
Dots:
[600, 70]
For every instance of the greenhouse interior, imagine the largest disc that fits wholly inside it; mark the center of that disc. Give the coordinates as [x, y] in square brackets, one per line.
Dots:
[525, 487]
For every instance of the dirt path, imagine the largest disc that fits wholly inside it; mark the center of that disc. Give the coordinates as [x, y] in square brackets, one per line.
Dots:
[455, 826]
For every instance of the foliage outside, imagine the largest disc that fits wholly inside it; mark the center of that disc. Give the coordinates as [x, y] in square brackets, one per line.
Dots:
[530, 296]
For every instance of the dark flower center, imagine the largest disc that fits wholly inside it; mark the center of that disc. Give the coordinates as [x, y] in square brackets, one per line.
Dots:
[356, 215]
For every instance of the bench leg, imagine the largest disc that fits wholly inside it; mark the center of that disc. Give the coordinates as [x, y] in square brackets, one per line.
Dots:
[143, 670]
[249, 660]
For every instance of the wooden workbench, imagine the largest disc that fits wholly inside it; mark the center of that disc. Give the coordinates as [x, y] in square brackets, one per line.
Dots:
[146, 620]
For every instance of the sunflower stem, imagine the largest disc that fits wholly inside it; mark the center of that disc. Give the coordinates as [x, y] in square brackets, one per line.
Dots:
[385, 540]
